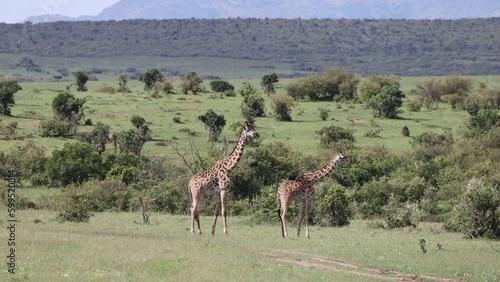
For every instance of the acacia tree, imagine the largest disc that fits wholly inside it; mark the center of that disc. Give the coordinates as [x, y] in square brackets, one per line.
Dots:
[133, 140]
[192, 82]
[150, 77]
[81, 79]
[221, 86]
[268, 82]
[8, 87]
[122, 84]
[214, 124]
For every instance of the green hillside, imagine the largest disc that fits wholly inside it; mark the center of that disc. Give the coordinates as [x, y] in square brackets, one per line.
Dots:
[403, 47]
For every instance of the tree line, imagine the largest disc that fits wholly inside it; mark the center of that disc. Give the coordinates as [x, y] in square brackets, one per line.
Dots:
[403, 47]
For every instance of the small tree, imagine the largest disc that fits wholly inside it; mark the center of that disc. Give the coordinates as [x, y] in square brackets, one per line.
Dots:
[150, 77]
[431, 91]
[221, 86]
[133, 140]
[81, 79]
[8, 87]
[374, 84]
[122, 84]
[97, 138]
[386, 103]
[192, 82]
[282, 105]
[405, 131]
[323, 114]
[268, 82]
[214, 124]
[141, 126]
[68, 108]
[253, 104]
[164, 86]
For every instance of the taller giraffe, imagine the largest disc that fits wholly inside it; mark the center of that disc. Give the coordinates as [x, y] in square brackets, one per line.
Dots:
[218, 174]
[302, 189]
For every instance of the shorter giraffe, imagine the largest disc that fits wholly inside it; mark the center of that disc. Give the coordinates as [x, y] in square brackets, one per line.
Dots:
[216, 175]
[302, 189]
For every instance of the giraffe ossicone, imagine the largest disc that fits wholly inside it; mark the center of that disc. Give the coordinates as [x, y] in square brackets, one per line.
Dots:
[217, 175]
[302, 189]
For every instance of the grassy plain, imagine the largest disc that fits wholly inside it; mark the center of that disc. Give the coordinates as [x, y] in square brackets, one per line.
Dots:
[33, 104]
[111, 247]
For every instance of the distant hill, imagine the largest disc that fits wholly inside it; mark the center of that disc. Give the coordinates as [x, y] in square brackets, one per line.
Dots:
[404, 47]
[305, 9]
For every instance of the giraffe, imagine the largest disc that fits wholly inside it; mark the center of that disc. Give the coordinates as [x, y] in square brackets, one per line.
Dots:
[302, 189]
[216, 175]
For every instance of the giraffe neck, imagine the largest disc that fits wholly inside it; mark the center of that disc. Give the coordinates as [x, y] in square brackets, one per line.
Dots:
[319, 174]
[232, 160]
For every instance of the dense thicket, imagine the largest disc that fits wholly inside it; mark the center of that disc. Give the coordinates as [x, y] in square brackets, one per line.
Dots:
[403, 47]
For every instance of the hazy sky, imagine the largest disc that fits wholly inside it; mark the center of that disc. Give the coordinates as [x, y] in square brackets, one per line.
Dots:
[17, 10]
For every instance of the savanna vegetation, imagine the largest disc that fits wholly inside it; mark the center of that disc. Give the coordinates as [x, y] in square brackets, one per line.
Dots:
[440, 168]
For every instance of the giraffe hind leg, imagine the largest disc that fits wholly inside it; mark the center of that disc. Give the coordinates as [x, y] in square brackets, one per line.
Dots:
[195, 214]
[301, 218]
[216, 213]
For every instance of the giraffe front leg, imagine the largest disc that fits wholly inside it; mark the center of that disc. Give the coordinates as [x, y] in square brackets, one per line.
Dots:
[216, 213]
[308, 209]
[195, 216]
[284, 233]
[223, 209]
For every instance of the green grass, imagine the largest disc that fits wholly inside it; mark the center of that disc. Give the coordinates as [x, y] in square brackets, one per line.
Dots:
[111, 247]
[33, 103]
[226, 68]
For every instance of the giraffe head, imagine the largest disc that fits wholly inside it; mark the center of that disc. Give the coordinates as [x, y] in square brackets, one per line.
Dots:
[341, 159]
[248, 130]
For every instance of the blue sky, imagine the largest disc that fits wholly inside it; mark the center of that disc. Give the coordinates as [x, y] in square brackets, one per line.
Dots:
[18, 10]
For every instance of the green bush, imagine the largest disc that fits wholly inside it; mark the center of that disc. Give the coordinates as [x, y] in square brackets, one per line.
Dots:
[74, 164]
[414, 105]
[333, 134]
[107, 89]
[398, 215]
[56, 128]
[221, 86]
[164, 198]
[332, 207]
[75, 209]
[405, 131]
[478, 212]
[265, 207]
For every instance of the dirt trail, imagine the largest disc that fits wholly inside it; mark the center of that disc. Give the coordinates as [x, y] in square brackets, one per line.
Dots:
[338, 265]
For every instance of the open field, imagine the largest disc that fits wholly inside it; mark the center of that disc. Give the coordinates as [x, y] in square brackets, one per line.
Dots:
[111, 247]
[222, 67]
[33, 104]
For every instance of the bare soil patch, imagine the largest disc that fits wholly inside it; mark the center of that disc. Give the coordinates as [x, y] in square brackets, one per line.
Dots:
[337, 265]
